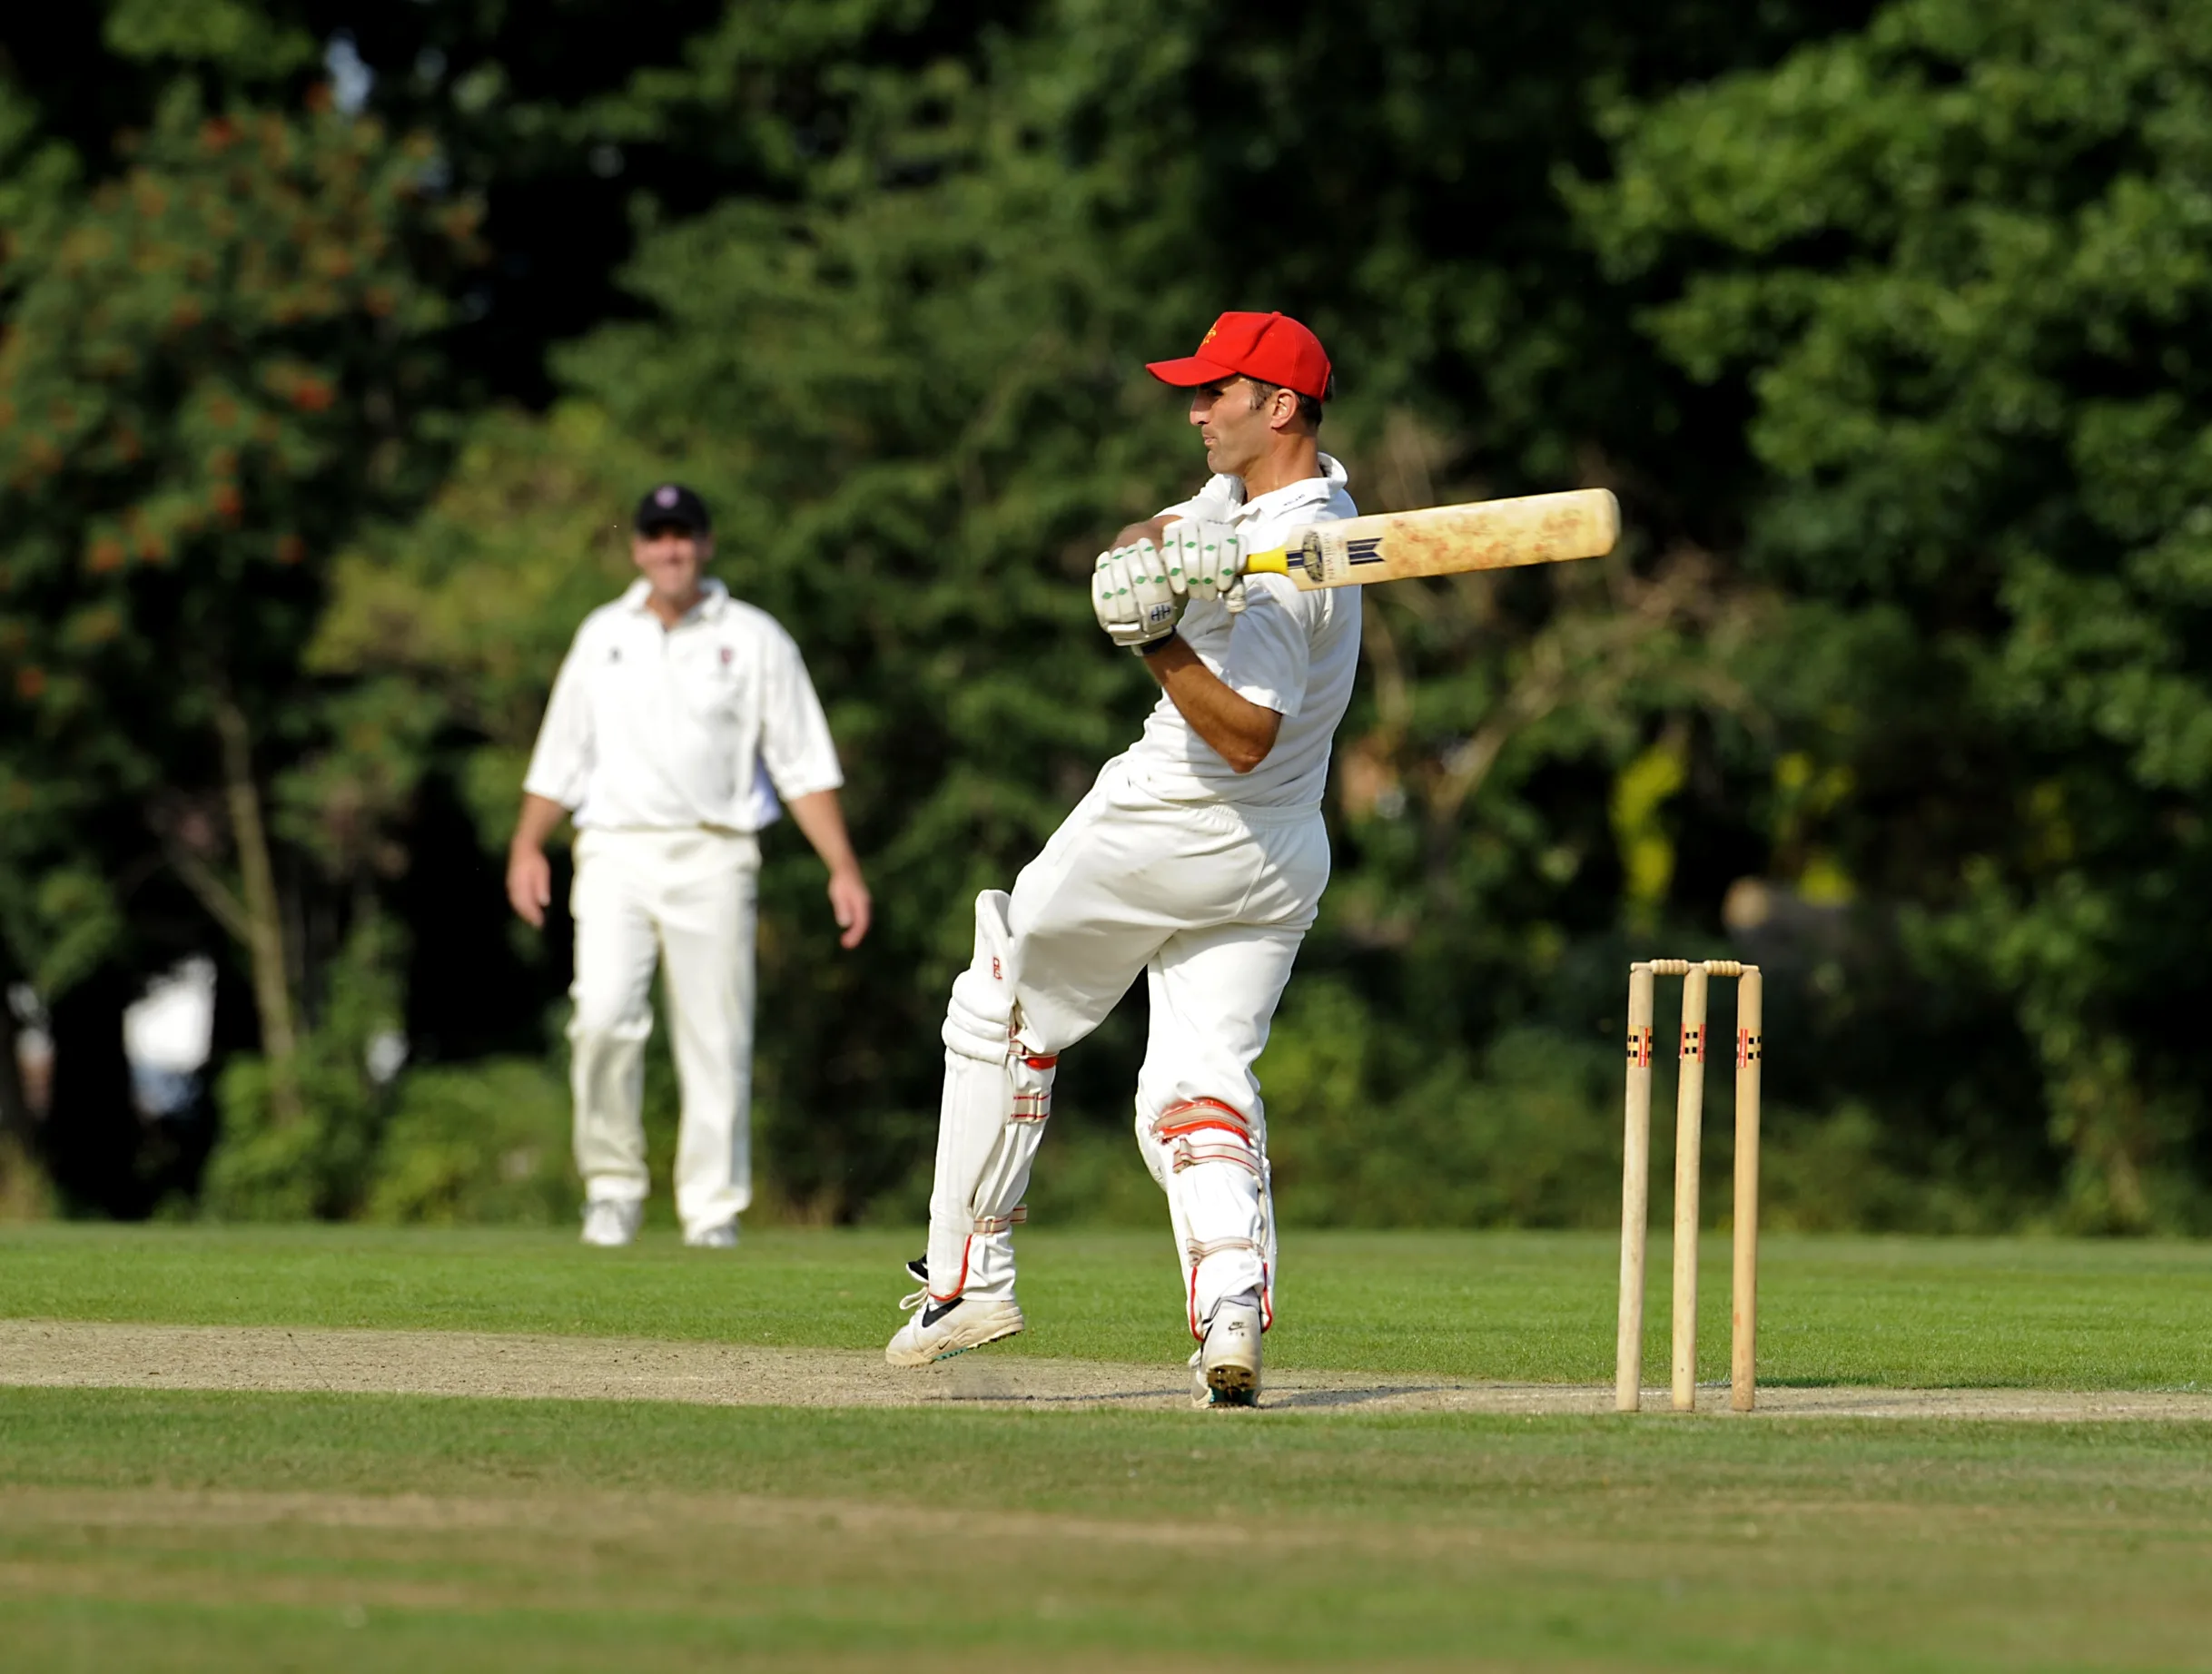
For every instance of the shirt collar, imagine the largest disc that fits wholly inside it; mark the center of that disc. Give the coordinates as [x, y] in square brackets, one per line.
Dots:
[1305, 491]
[714, 599]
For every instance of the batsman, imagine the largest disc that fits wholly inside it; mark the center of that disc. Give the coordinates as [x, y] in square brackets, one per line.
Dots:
[1197, 858]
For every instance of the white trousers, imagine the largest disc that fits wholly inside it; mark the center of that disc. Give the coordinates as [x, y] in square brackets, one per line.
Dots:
[1210, 901]
[686, 900]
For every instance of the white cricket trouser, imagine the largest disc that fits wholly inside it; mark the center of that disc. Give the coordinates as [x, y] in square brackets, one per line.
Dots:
[1210, 901]
[687, 900]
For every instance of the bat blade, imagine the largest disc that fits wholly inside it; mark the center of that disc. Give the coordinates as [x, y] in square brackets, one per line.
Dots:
[1445, 540]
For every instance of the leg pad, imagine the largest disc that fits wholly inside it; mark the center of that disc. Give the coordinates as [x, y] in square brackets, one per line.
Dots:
[998, 1097]
[1208, 1157]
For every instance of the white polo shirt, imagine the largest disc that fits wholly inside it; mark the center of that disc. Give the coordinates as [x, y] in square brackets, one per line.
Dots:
[1293, 652]
[669, 729]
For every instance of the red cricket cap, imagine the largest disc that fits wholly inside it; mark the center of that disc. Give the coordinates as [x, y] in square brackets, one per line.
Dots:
[1272, 347]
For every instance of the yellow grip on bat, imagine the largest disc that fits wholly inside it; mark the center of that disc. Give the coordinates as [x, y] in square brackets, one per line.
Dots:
[1275, 561]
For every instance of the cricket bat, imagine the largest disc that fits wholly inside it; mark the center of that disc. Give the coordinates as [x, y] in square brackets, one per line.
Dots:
[1539, 528]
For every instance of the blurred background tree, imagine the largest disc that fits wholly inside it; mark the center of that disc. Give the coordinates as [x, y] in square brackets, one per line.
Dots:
[1961, 264]
[1883, 323]
[217, 366]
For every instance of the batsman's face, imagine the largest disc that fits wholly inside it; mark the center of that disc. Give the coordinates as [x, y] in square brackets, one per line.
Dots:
[1234, 429]
[672, 559]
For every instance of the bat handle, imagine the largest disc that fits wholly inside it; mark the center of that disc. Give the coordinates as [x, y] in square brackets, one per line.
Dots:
[1274, 562]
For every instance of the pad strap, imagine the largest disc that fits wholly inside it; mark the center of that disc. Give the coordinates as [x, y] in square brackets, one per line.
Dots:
[1032, 1085]
[1179, 1127]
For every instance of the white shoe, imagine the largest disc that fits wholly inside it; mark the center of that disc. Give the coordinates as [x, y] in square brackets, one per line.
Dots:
[1225, 1371]
[611, 1223]
[722, 1237]
[942, 1328]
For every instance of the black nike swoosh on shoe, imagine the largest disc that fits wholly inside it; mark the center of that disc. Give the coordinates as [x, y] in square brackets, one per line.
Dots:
[918, 1269]
[937, 1311]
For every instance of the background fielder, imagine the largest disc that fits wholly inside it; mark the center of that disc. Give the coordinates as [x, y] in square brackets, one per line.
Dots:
[1197, 858]
[678, 718]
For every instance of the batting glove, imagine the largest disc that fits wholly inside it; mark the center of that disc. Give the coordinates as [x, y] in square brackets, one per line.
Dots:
[1131, 597]
[1206, 560]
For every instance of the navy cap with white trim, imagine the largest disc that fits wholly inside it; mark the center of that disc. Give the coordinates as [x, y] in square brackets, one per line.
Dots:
[673, 504]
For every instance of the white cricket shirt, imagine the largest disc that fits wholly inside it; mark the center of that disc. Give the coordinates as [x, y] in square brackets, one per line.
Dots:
[1292, 652]
[667, 729]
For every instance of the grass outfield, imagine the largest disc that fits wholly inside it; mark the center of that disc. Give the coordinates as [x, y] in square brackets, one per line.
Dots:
[190, 1531]
[1534, 1307]
[178, 1531]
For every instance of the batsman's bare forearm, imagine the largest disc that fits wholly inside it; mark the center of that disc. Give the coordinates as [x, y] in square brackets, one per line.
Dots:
[1239, 731]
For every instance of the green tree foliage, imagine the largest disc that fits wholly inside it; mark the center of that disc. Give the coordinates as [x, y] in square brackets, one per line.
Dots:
[1961, 266]
[215, 367]
[907, 375]
[1885, 325]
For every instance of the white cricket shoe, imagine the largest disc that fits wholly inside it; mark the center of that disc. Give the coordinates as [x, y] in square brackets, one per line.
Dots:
[722, 1237]
[1225, 1371]
[939, 1329]
[610, 1223]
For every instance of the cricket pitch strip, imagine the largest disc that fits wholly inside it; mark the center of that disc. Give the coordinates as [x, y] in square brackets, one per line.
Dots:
[55, 1353]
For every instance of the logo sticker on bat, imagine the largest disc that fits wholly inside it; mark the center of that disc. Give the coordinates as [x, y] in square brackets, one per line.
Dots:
[1326, 558]
[1365, 551]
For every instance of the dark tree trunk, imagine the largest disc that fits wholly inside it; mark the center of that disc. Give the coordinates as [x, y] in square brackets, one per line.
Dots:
[469, 992]
[93, 1142]
[15, 1122]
